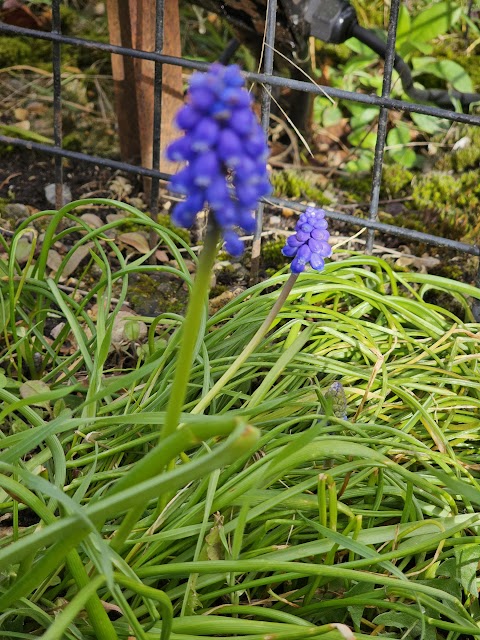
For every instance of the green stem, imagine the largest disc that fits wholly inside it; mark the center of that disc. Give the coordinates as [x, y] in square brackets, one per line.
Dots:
[250, 348]
[190, 329]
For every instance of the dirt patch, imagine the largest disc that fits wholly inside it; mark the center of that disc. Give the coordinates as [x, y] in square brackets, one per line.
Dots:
[24, 175]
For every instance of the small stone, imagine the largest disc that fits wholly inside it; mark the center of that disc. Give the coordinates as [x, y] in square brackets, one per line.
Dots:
[138, 203]
[222, 264]
[36, 107]
[463, 143]
[190, 266]
[50, 194]
[275, 221]
[16, 210]
[20, 114]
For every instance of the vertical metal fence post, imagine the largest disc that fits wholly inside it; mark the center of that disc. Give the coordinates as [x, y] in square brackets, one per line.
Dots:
[268, 50]
[382, 120]
[157, 105]
[57, 101]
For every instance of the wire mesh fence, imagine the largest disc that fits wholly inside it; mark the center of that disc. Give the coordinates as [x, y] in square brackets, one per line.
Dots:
[268, 80]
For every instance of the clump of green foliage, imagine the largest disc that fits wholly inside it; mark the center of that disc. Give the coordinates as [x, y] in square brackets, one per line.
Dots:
[297, 184]
[465, 156]
[166, 221]
[396, 180]
[14, 50]
[356, 188]
[453, 200]
[272, 256]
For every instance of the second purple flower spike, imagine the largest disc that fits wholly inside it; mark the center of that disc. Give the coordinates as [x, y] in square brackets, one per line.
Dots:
[309, 243]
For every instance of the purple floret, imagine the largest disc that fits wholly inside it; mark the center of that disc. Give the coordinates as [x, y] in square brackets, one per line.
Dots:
[226, 151]
[309, 244]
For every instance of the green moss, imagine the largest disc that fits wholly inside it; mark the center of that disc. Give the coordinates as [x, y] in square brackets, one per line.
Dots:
[156, 294]
[217, 290]
[272, 255]
[356, 188]
[73, 142]
[3, 204]
[14, 51]
[465, 158]
[297, 184]
[396, 181]
[453, 201]
[370, 12]
[165, 220]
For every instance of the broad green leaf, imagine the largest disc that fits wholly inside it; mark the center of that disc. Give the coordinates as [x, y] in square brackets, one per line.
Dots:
[406, 157]
[467, 559]
[357, 63]
[331, 116]
[397, 139]
[358, 109]
[356, 611]
[360, 48]
[363, 116]
[448, 70]
[403, 25]
[363, 138]
[364, 162]
[456, 75]
[433, 22]
[398, 136]
[34, 388]
[399, 620]
[428, 124]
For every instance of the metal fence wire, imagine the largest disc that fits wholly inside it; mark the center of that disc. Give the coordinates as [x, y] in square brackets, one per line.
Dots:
[268, 80]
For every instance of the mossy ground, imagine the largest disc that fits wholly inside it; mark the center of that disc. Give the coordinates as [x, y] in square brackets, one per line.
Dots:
[298, 184]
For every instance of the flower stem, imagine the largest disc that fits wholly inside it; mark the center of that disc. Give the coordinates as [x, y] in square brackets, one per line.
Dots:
[190, 329]
[250, 348]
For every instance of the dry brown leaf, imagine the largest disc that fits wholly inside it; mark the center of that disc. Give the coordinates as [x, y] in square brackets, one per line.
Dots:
[161, 255]
[108, 606]
[54, 333]
[345, 631]
[32, 388]
[92, 220]
[422, 264]
[76, 258]
[136, 240]
[113, 217]
[54, 260]
[120, 187]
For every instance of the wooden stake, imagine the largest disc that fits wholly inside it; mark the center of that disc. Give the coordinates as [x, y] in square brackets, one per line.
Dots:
[132, 24]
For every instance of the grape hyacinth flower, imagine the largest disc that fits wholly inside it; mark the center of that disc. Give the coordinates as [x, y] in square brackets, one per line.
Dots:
[226, 152]
[309, 244]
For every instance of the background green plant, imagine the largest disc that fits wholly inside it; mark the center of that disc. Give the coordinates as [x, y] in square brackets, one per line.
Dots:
[419, 31]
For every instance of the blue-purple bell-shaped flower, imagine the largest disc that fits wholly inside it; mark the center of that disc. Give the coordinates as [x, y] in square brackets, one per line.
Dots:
[309, 243]
[226, 151]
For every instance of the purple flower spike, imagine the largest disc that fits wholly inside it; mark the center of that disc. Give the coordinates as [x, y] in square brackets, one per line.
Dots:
[226, 151]
[309, 244]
